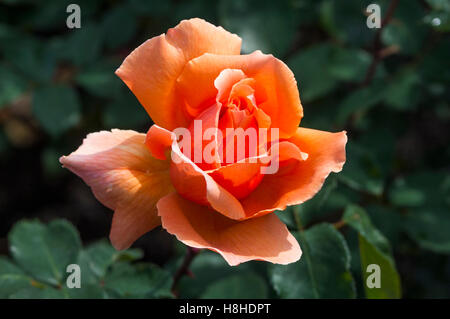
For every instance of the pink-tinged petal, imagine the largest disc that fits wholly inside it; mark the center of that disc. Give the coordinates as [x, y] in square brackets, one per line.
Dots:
[125, 178]
[264, 238]
[151, 70]
[300, 178]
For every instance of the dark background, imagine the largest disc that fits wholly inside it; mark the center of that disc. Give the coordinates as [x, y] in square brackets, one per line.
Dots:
[58, 84]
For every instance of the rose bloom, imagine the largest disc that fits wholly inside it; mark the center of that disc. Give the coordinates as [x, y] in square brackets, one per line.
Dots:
[195, 72]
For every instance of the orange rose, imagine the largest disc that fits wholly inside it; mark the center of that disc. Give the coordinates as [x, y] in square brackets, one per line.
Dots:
[194, 78]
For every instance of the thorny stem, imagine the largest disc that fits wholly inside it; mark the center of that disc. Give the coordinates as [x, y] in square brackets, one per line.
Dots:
[184, 267]
[377, 50]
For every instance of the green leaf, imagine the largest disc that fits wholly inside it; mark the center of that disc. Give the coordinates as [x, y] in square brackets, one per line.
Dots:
[387, 220]
[99, 79]
[29, 56]
[374, 249]
[12, 85]
[287, 217]
[406, 197]
[45, 251]
[98, 257]
[57, 108]
[313, 208]
[52, 13]
[125, 112]
[377, 145]
[268, 24]
[358, 219]
[319, 68]
[390, 280]
[311, 69]
[84, 45]
[327, 201]
[406, 29]
[119, 26]
[349, 64]
[428, 217]
[429, 227]
[361, 171]
[12, 278]
[345, 21]
[38, 293]
[86, 291]
[206, 269]
[403, 92]
[243, 286]
[360, 100]
[322, 271]
[139, 281]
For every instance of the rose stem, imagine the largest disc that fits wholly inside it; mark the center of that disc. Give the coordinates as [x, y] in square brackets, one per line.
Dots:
[377, 46]
[184, 267]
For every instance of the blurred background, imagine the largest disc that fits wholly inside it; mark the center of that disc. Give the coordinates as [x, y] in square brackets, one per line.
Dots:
[389, 89]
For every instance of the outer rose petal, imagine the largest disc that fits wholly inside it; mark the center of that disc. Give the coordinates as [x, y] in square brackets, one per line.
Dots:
[264, 238]
[124, 177]
[276, 91]
[151, 70]
[326, 154]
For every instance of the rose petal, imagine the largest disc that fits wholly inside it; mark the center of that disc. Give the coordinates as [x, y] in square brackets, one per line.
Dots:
[224, 83]
[276, 91]
[265, 238]
[239, 178]
[195, 184]
[124, 177]
[304, 178]
[151, 70]
[208, 120]
[158, 140]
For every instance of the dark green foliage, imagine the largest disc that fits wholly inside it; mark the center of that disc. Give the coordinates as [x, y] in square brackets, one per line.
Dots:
[389, 206]
[41, 254]
[323, 270]
[374, 249]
